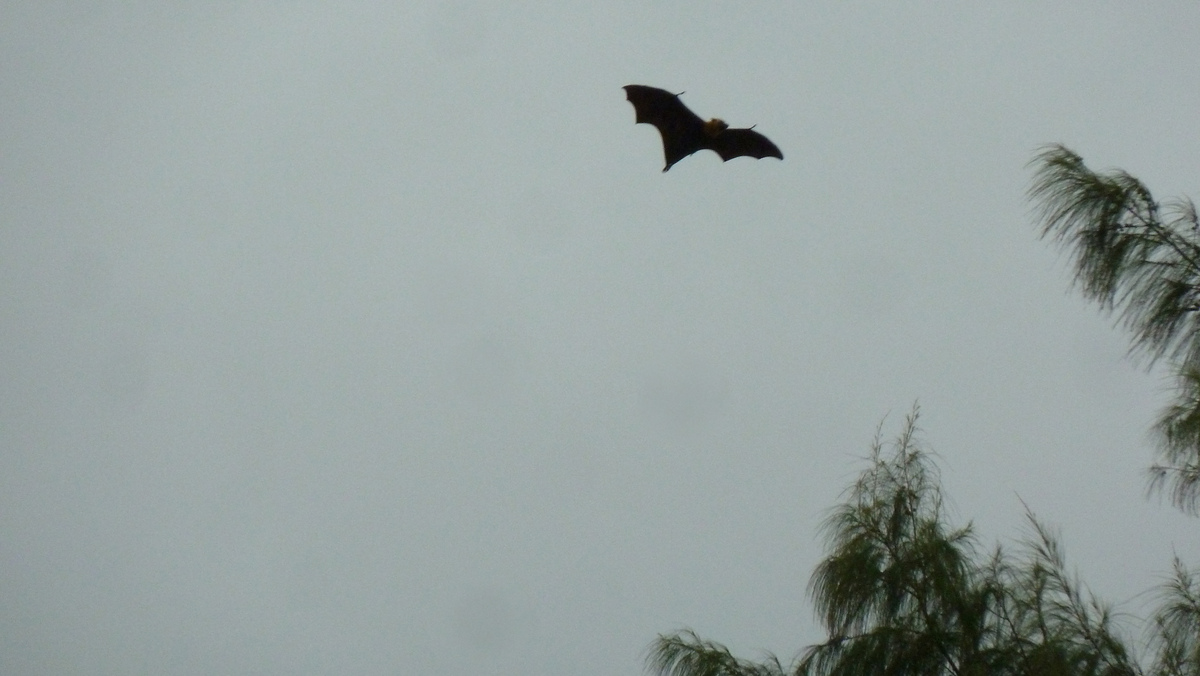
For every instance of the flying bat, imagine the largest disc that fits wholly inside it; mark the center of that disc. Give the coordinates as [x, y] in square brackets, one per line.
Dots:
[683, 132]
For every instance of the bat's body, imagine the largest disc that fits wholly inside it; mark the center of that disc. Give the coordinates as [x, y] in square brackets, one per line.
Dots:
[683, 132]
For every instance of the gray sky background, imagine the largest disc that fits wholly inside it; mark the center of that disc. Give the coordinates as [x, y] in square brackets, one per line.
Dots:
[369, 338]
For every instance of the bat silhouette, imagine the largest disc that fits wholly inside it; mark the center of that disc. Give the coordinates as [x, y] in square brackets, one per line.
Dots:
[683, 132]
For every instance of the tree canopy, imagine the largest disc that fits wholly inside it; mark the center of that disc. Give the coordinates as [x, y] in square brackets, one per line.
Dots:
[905, 591]
[1141, 260]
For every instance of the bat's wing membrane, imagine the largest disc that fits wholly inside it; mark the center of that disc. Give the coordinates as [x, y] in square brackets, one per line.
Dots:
[682, 130]
[659, 107]
[733, 143]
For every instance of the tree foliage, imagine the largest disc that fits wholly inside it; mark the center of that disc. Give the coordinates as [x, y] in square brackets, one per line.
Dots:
[1141, 260]
[898, 586]
[1176, 631]
[686, 654]
[903, 591]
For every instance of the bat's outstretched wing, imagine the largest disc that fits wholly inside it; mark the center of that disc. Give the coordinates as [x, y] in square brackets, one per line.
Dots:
[682, 130]
[733, 143]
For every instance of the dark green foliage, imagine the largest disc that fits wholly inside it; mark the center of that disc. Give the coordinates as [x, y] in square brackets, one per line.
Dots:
[1176, 630]
[1052, 626]
[1178, 435]
[898, 587]
[1131, 255]
[1140, 260]
[903, 592]
[685, 654]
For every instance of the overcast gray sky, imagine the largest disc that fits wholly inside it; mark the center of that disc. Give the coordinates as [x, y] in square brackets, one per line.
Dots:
[369, 338]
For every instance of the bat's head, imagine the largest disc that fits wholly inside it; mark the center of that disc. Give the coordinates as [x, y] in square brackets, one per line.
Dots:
[714, 127]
